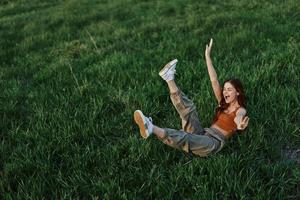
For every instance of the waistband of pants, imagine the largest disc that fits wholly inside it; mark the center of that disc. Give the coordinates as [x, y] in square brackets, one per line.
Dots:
[216, 134]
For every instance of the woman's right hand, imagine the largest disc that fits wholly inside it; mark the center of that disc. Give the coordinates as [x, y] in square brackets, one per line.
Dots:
[208, 48]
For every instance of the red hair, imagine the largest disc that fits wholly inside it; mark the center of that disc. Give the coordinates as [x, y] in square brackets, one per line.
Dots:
[240, 98]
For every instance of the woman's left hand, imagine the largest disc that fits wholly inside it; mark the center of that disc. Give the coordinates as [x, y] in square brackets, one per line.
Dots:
[244, 123]
[208, 49]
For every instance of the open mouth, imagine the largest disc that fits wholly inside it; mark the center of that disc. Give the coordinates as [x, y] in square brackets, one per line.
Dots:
[226, 97]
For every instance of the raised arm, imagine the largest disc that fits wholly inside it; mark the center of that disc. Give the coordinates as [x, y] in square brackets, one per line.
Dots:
[212, 73]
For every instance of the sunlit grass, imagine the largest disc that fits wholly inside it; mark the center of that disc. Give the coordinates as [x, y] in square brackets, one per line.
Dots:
[73, 72]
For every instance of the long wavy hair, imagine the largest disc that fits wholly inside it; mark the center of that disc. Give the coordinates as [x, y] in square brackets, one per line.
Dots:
[240, 98]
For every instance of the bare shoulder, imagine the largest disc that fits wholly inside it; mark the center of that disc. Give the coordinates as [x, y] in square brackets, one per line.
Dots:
[241, 111]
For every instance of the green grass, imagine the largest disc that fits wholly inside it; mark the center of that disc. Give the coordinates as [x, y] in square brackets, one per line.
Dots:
[73, 72]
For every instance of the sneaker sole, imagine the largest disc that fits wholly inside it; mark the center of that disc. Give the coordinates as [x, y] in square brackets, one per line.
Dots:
[140, 121]
[167, 67]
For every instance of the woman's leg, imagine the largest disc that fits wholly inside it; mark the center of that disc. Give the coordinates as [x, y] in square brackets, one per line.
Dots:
[184, 106]
[159, 132]
[172, 86]
[186, 109]
[200, 145]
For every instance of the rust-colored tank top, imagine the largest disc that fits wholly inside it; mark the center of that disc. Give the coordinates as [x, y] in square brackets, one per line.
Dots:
[226, 121]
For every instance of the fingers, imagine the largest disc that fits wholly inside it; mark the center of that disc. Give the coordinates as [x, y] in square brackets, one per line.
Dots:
[244, 123]
[210, 43]
[208, 46]
[246, 119]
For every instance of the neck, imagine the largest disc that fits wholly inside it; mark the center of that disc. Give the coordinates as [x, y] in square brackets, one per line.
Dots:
[234, 104]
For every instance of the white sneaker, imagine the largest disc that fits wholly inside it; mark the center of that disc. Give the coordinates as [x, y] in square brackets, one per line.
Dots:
[168, 72]
[144, 123]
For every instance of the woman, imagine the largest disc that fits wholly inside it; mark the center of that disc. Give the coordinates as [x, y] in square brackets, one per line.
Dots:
[230, 115]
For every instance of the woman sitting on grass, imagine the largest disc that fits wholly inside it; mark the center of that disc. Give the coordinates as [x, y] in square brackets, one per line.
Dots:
[230, 115]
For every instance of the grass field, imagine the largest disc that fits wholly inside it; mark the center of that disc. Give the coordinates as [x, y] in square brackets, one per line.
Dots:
[73, 72]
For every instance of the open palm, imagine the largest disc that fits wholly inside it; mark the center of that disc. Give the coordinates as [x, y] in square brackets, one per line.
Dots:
[244, 123]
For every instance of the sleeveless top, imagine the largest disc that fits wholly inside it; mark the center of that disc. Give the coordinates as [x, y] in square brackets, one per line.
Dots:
[226, 121]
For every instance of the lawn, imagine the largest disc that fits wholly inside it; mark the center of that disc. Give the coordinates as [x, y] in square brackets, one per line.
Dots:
[73, 72]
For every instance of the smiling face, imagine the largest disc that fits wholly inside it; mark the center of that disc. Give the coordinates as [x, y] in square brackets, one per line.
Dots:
[230, 93]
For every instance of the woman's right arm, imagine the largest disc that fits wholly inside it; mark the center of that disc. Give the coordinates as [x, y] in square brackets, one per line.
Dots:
[212, 73]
